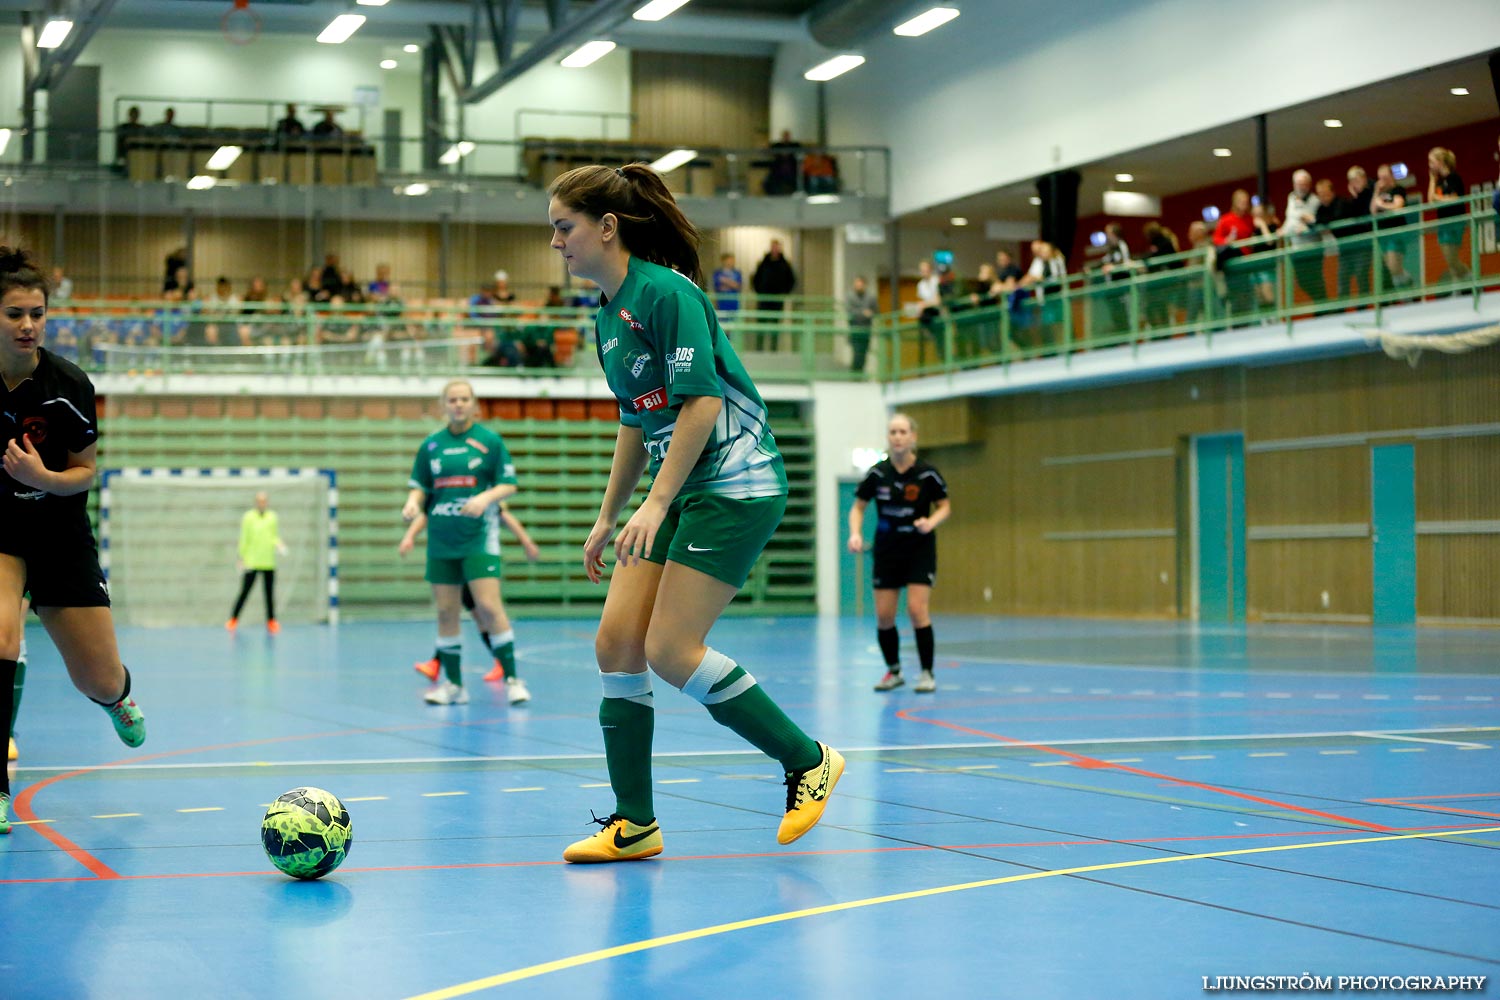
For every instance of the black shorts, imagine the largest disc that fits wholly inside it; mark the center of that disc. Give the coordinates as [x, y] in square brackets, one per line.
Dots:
[62, 565]
[895, 567]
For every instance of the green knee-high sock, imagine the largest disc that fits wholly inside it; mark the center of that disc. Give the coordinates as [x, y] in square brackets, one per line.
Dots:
[504, 648]
[449, 651]
[735, 701]
[15, 703]
[627, 717]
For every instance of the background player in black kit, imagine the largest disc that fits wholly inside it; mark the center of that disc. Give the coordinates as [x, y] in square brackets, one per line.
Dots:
[911, 500]
[47, 424]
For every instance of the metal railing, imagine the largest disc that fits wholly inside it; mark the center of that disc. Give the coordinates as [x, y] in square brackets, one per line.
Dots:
[1420, 252]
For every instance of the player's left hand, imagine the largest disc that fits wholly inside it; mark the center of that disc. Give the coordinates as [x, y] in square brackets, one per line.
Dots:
[533, 551]
[23, 463]
[475, 506]
[923, 525]
[639, 534]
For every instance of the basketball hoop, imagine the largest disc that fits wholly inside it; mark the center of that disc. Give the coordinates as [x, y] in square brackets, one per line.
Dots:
[240, 24]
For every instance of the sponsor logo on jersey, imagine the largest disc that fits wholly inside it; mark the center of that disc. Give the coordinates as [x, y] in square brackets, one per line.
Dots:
[34, 428]
[912, 491]
[448, 508]
[611, 344]
[455, 451]
[30, 495]
[437, 465]
[638, 363]
[680, 360]
[656, 447]
[432, 446]
[635, 324]
[656, 399]
[453, 482]
[475, 463]
[476, 446]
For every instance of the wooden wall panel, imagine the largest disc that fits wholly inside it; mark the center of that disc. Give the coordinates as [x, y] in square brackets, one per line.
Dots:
[685, 99]
[1458, 577]
[1459, 479]
[1288, 577]
[1317, 486]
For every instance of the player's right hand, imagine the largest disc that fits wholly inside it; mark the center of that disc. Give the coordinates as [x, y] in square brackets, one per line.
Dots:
[593, 551]
[856, 544]
[405, 545]
[410, 510]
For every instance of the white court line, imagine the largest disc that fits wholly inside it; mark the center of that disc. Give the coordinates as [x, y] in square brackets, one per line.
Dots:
[678, 781]
[1160, 667]
[1336, 753]
[1406, 750]
[977, 767]
[203, 809]
[367, 798]
[1270, 753]
[1465, 744]
[530, 788]
[443, 795]
[97, 769]
[1196, 756]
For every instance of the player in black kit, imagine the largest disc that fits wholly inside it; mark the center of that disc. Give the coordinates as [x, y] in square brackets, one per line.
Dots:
[911, 500]
[48, 430]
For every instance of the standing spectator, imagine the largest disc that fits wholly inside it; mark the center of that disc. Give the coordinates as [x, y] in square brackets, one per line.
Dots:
[62, 288]
[1007, 274]
[1234, 226]
[728, 281]
[290, 127]
[861, 307]
[167, 128]
[1159, 294]
[1444, 184]
[784, 172]
[929, 306]
[1116, 265]
[1301, 218]
[179, 281]
[1352, 226]
[1045, 277]
[175, 261]
[502, 293]
[1200, 241]
[328, 128]
[128, 132]
[1386, 203]
[774, 279]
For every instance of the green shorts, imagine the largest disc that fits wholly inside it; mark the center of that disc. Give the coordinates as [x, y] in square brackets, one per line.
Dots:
[720, 536]
[474, 566]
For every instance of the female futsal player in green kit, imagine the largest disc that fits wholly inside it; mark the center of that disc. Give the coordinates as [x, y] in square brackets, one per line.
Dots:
[689, 411]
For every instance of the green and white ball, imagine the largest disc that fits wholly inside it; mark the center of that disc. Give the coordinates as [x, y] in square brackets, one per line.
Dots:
[307, 833]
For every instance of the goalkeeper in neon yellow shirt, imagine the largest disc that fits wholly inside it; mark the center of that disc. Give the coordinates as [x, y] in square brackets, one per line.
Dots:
[260, 543]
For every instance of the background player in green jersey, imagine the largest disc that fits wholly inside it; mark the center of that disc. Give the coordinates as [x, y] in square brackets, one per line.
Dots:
[460, 475]
[689, 411]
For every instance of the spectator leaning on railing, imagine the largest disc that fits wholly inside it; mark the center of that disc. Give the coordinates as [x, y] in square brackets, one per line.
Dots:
[1444, 184]
[1301, 217]
[1386, 202]
[1352, 227]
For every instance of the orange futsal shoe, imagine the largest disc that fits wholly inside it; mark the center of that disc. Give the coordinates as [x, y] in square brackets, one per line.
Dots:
[427, 668]
[273, 626]
[496, 674]
[232, 624]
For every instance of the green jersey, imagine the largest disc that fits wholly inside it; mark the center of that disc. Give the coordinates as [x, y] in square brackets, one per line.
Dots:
[659, 342]
[451, 468]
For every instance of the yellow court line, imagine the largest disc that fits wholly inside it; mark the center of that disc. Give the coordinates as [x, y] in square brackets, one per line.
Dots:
[203, 809]
[443, 795]
[115, 815]
[573, 962]
[367, 798]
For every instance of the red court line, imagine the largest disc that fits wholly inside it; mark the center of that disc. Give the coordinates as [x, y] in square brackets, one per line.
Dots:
[22, 802]
[1094, 763]
[1095, 842]
[1410, 799]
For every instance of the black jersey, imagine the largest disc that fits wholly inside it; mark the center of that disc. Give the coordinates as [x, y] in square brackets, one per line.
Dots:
[55, 409]
[900, 498]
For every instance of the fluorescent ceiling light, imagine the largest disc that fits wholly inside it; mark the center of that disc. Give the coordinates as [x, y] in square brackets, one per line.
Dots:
[200, 183]
[837, 66]
[1333, 123]
[372, 3]
[822, 199]
[223, 157]
[924, 22]
[416, 188]
[1222, 151]
[958, 220]
[4, 140]
[1124, 178]
[657, 9]
[411, 48]
[671, 161]
[456, 152]
[388, 64]
[340, 28]
[587, 53]
[53, 34]
[1035, 199]
[1459, 91]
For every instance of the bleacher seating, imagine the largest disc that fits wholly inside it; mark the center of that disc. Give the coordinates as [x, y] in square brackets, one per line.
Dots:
[347, 159]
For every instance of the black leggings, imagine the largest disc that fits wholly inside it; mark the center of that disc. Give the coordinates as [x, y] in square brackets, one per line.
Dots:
[270, 575]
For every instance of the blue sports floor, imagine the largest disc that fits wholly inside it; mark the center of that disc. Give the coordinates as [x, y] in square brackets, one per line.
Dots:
[1083, 810]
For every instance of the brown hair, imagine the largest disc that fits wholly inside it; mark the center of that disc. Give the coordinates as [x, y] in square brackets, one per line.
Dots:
[652, 227]
[18, 269]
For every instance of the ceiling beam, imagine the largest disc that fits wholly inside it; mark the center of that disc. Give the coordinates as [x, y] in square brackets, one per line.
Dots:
[598, 19]
[87, 19]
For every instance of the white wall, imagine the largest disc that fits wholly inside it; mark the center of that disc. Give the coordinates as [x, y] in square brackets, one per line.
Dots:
[794, 100]
[846, 416]
[989, 100]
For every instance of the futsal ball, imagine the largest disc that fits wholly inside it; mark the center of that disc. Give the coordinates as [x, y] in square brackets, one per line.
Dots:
[307, 833]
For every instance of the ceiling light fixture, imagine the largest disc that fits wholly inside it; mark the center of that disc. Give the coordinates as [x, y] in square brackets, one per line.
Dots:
[372, 3]
[411, 48]
[340, 28]
[201, 182]
[657, 9]
[1124, 178]
[388, 64]
[1222, 151]
[837, 66]
[416, 188]
[1333, 123]
[668, 162]
[223, 157]
[587, 54]
[1459, 91]
[53, 33]
[1035, 199]
[456, 152]
[822, 199]
[934, 17]
[958, 220]
[4, 140]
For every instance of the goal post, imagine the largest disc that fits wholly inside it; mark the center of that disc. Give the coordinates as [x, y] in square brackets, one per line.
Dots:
[169, 541]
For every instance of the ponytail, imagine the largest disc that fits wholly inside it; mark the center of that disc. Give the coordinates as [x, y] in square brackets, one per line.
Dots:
[652, 227]
[18, 269]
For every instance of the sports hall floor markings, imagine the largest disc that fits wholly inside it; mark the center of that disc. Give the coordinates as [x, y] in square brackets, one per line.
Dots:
[604, 954]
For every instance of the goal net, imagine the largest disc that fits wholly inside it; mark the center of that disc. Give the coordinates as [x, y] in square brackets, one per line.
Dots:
[169, 541]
